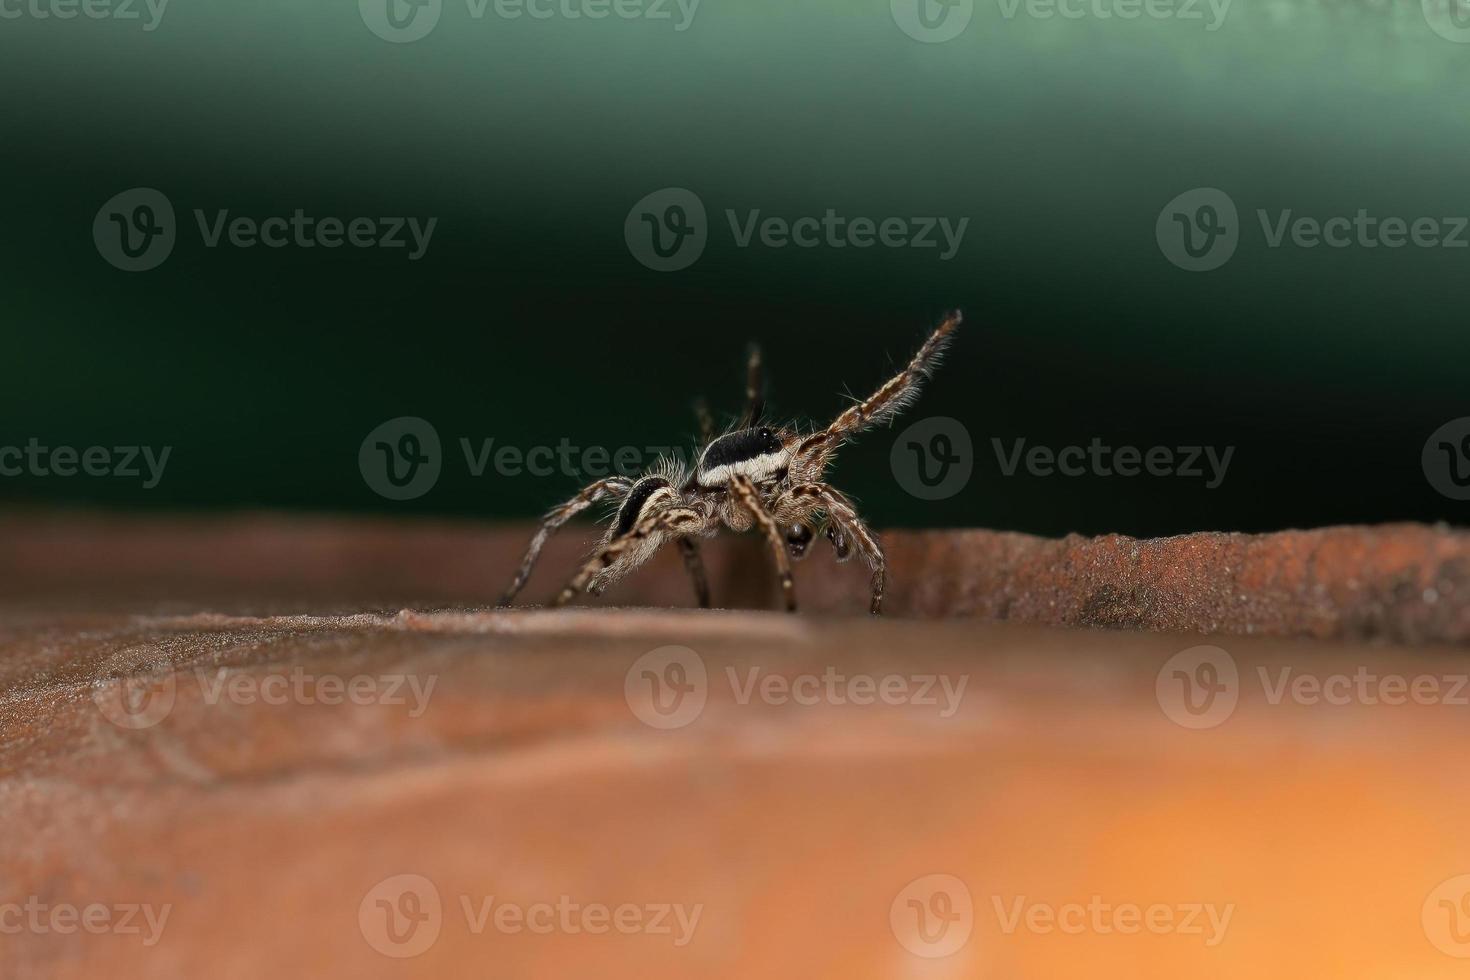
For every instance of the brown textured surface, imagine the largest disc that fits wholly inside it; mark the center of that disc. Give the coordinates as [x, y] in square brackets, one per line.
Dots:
[1325, 829]
[1069, 770]
[1402, 582]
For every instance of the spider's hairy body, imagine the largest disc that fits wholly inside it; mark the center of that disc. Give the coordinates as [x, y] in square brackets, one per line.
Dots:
[767, 478]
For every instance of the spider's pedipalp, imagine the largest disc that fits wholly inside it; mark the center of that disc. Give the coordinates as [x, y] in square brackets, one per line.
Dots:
[844, 527]
[744, 492]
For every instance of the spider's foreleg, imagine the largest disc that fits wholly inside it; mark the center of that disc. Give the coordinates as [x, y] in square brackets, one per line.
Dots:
[666, 519]
[744, 492]
[755, 387]
[554, 519]
[846, 530]
[896, 394]
[706, 422]
[694, 564]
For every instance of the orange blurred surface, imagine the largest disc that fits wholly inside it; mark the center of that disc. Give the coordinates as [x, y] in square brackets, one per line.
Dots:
[1054, 816]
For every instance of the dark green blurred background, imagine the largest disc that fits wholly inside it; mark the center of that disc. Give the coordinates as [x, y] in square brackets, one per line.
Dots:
[528, 320]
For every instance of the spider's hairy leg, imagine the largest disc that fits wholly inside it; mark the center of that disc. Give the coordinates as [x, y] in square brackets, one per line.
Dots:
[755, 386]
[896, 394]
[706, 422]
[555, 518]
[674, 518]
[694, 564]
[743, 491]
[846, 529]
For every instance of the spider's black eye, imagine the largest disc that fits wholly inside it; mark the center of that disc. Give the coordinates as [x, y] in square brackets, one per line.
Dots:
[768, 441]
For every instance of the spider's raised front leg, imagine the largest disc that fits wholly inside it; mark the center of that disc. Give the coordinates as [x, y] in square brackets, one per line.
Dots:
[896, 394]
[672, 519]
[755, 388]
[846, 530]
[706, 422]
[555, 518]
[744, 492]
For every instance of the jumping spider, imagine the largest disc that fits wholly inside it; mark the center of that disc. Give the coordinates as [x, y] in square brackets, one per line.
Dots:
[753, 476]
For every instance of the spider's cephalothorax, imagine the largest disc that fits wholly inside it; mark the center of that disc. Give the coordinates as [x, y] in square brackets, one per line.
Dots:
[758, 476]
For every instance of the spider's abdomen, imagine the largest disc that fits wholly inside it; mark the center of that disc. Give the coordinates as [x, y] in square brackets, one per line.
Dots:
[754, 453]
[645, 494]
